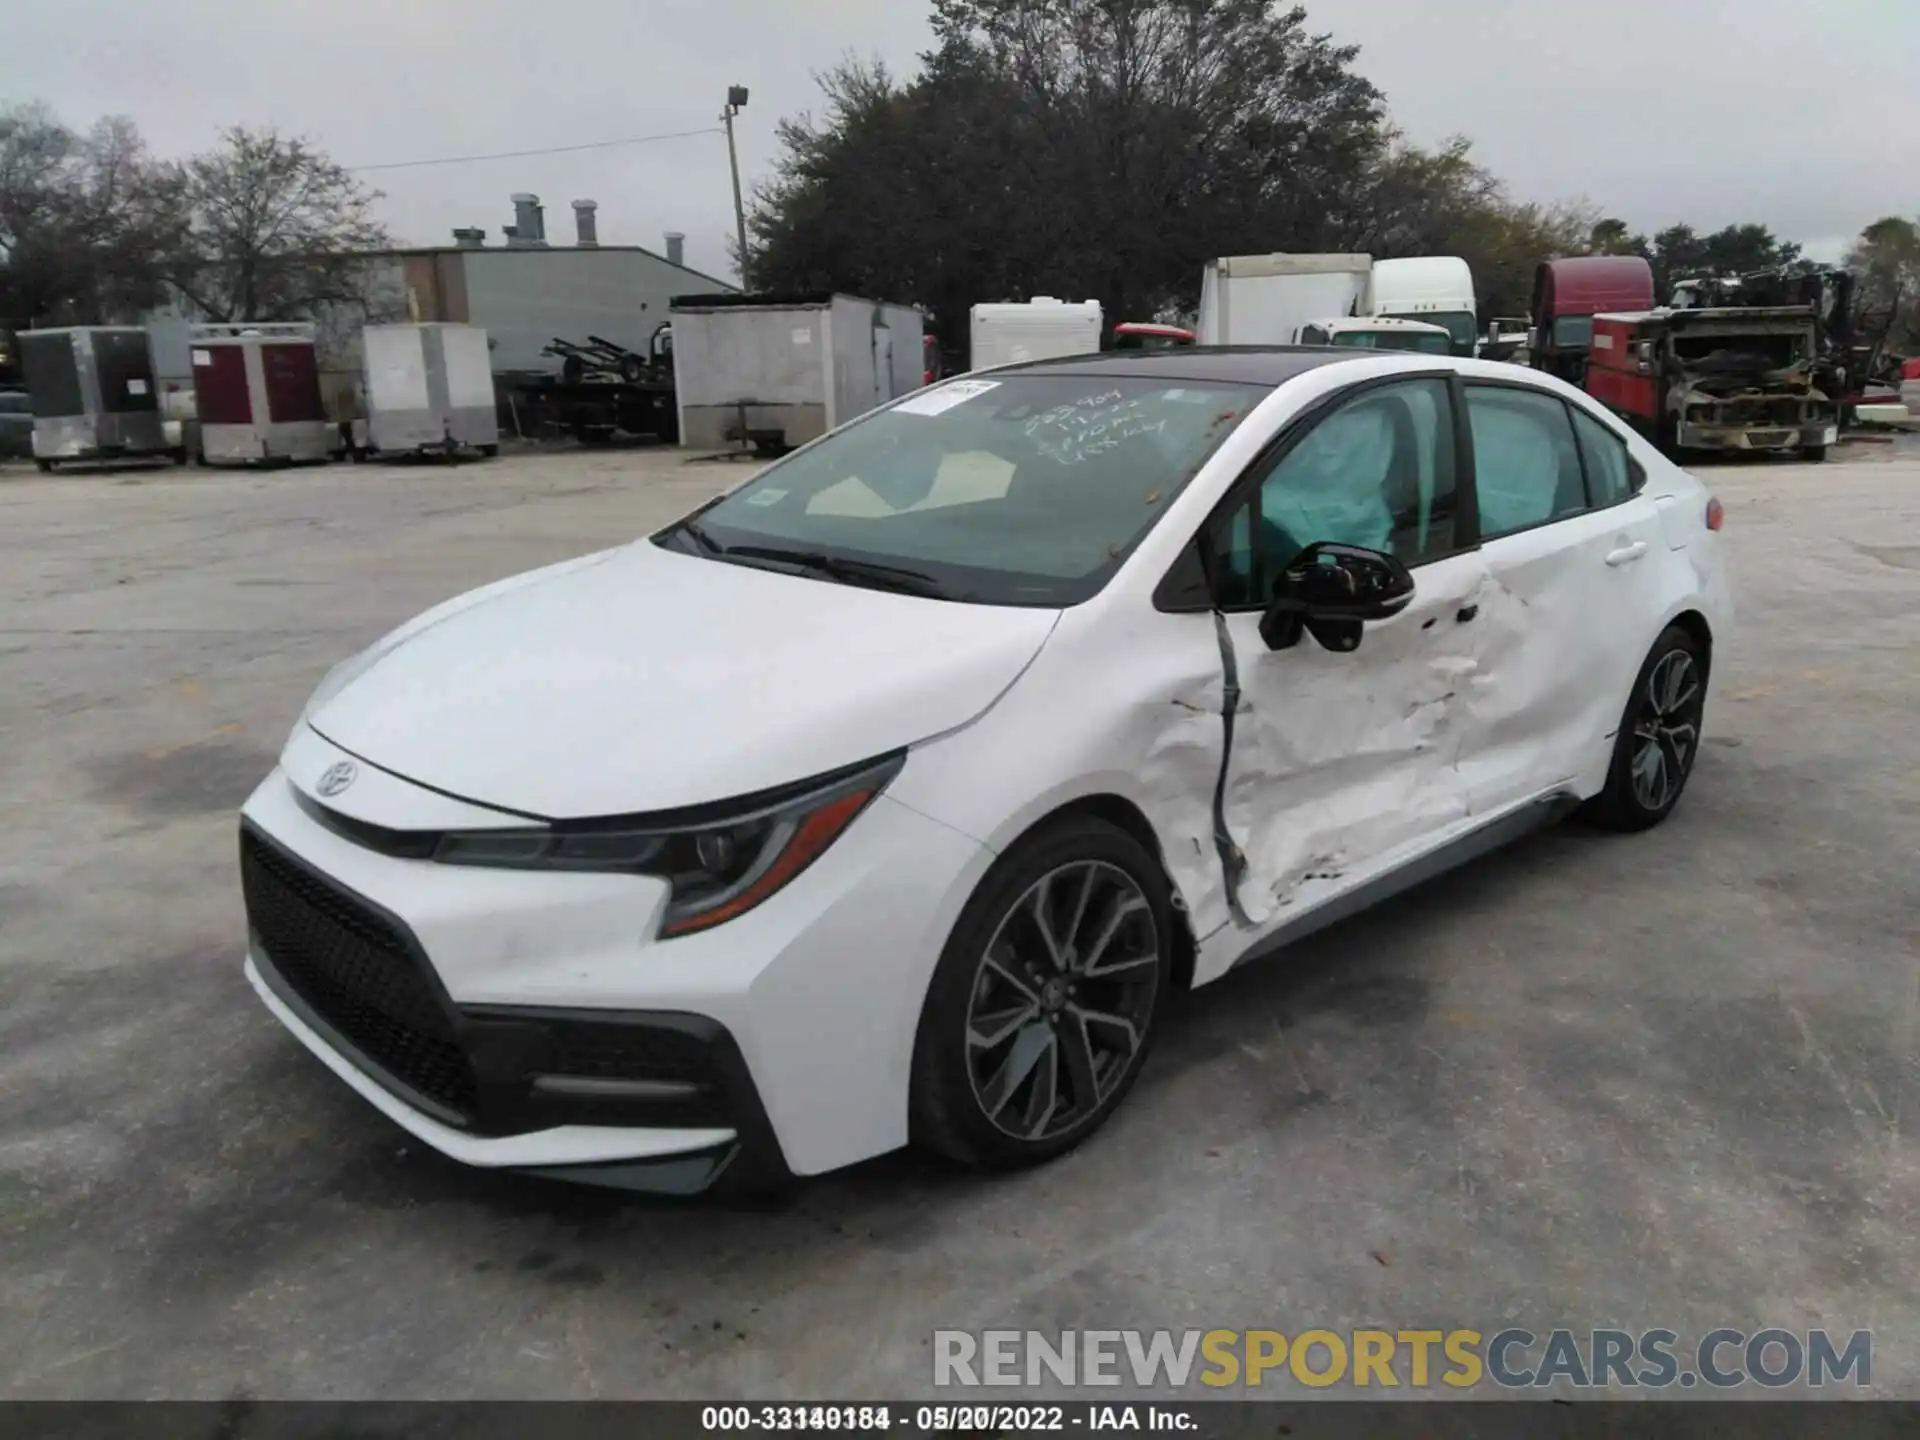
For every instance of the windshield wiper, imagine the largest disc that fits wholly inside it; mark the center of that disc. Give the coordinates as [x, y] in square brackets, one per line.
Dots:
[850, 572]
[697, 533]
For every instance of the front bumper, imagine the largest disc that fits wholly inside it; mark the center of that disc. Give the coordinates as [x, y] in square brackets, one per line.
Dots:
[529, 1020]
[1756, 437]
[665, 1161]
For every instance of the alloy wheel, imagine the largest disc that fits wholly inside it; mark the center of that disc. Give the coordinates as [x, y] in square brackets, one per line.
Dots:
[1061, 999]
[1666, 730]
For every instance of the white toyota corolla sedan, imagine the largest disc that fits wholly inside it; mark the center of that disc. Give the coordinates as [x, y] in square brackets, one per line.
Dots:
[889, 797]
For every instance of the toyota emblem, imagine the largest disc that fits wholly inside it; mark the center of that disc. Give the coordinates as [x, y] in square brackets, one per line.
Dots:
[337, 777]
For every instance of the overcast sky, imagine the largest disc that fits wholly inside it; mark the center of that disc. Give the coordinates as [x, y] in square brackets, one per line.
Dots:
[1803, 115]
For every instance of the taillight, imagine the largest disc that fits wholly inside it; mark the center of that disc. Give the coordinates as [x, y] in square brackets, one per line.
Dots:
[1716, 513]
[926, 377]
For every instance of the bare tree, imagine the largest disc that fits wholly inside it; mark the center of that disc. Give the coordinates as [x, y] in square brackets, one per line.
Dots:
[279, 231]
[87, 222]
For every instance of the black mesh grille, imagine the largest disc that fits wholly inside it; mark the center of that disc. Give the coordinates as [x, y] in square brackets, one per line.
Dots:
[356, 972]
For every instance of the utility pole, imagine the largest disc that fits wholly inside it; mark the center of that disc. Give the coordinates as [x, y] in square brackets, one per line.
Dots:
[736, 102]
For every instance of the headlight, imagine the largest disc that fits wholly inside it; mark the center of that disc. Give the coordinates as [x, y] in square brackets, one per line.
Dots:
[719, 865]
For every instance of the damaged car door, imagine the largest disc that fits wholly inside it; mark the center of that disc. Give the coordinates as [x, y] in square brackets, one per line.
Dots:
[1343, 758]
[1571, 608]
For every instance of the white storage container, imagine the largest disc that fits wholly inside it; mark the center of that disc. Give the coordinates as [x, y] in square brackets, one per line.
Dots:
[1041, 329]
[429, 387]
[777, 371]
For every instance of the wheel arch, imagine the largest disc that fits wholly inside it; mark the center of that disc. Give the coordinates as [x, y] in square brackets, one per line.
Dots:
[1695, 624]
[1123, 814]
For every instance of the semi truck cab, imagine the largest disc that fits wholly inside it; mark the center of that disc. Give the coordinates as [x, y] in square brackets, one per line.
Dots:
[1568, 293]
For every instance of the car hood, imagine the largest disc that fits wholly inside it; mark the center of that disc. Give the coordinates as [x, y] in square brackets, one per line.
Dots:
[646, 679]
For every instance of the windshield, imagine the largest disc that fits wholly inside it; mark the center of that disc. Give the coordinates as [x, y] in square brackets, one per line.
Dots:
[1460, 325]
[1573, 330]
[1023, 490]
[1421, 341]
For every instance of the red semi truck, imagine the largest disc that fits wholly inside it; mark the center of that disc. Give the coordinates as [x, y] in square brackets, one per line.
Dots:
[1568, 293]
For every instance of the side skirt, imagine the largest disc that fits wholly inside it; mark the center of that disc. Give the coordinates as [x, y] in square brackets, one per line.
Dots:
[1496, 833]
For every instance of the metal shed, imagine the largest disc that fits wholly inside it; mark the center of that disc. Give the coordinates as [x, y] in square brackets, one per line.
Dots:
[93, 394]
[778, 370]
[257, 395]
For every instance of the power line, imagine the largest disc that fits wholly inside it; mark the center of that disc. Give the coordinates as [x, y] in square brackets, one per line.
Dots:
[544, 150]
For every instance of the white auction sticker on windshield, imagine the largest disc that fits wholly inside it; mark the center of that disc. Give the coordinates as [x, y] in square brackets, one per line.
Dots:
[938, 402]
[766, 497]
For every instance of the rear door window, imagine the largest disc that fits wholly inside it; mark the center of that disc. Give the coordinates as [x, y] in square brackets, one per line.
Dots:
[1527, 468]
[1610, 473]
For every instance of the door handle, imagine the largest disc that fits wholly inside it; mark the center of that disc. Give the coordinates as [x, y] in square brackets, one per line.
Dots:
[1627, 553]
[1466, 613]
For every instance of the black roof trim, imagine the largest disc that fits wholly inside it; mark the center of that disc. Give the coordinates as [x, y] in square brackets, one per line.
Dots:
[775, 299]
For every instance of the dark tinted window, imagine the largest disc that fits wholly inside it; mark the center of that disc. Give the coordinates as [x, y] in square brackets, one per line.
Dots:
[1526, 462]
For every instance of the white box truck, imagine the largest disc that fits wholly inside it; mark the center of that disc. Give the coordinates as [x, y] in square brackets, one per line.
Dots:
[1433, 289]
[1041, 329]
[1263, 299]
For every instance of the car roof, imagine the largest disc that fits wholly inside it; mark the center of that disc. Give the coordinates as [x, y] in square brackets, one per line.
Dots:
[1268, 365]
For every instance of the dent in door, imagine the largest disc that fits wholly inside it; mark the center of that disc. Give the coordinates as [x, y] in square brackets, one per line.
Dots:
[1338, 758]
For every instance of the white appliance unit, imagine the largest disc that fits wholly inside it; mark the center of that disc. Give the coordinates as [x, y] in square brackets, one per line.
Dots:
[1042, 328]
[429, 388]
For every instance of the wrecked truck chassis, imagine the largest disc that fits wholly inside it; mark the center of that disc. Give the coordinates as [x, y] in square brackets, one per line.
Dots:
[1691, 435]
[1772, 417]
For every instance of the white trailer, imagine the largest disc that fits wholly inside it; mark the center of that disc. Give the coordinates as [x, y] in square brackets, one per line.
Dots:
[1263, 299]
[256, 394]
[776, 371]
[1043, 328]
[429, 387]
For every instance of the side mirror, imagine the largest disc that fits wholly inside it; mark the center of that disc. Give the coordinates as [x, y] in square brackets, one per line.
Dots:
[1330, 591]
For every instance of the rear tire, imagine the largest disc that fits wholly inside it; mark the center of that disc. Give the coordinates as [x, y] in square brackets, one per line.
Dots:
[45, 467]
[1659, 737]
[1030, 1037]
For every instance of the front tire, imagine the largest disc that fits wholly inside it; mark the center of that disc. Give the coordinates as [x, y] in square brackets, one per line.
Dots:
[1046, 999]
[1814, 454]
[1659, 736]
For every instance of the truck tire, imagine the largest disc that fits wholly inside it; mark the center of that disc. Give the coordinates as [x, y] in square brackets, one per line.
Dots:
[1814, 454]
[45, 467]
